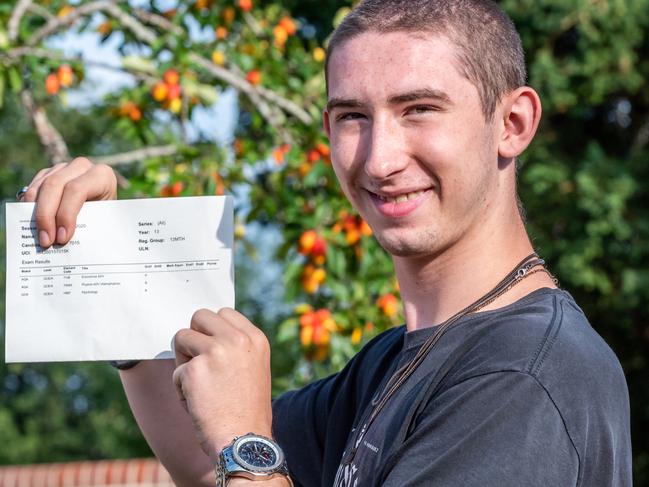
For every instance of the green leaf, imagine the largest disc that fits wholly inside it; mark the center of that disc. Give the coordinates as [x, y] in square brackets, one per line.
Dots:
[15, 80]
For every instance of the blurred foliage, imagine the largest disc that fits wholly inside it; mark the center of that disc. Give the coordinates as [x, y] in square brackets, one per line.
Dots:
[583, 183]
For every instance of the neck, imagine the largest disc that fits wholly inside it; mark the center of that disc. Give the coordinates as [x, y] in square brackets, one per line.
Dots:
[435, 288]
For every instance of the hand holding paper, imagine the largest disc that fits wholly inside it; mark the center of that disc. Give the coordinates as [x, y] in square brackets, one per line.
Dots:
[132, 275]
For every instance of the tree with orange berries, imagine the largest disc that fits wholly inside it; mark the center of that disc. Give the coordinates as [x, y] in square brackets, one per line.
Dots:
[338, 285]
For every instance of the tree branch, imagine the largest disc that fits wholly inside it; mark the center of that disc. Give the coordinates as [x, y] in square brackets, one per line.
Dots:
[40, 10]
[51, 139]
[255, 93]
[136, 155]
[55, 24]
[16, 15]
[157, 20]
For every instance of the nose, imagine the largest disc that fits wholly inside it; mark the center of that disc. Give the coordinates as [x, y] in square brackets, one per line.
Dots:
[386, 152]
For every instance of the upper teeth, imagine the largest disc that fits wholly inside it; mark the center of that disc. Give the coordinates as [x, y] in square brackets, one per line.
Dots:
[401, 198]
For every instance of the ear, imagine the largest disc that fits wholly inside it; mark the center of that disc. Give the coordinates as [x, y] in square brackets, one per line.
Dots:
[521, 113]
[325, 123]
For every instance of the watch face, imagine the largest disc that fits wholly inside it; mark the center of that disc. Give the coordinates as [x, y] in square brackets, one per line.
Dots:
[257, 454]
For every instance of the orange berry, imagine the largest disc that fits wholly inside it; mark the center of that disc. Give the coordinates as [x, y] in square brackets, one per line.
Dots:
[221, 33]
[237, 145]
[105, 28]
[313, 155]
[310, 285]
[306, 242]
[321, 336]
[177, 188]
[389, 304]
[319, 275]
[254, 77]
[65, 75]
[281, 35]
[322, 314]
[303, 308]
[245, 5]
[175, 105]
[171, 77]
[129, 109]
[357, 334]
[365, 228]
[65, 11]
[323, 149]
[349, 223]
[306, 336]
[319, 54]
[278, 155]
[307, 317]
[135, 113]
[220, 184]
[52, 84]
[319, 354]
[319, 259]
[352, 236]
[304, 168]
[202, 4]
[228, 15]
[173, 91]
[218, 58]
[319, 247]
[330, 324]
[159, 91]
[289, 25]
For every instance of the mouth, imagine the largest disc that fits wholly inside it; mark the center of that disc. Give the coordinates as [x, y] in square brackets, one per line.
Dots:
[398, 204]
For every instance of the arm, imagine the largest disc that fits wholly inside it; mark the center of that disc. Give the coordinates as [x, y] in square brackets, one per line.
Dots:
[59, 193]
[164, 423]
[169, 429]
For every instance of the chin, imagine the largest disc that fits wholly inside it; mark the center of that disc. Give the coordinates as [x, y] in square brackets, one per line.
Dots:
[416, 245]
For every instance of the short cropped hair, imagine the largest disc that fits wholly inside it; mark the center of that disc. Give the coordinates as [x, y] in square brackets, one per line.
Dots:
[489, 48]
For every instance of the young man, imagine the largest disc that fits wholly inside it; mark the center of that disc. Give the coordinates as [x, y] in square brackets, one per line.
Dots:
[427, 111]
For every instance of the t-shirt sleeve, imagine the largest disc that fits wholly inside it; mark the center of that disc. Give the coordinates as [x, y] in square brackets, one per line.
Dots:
[299, 425]
[500, 429]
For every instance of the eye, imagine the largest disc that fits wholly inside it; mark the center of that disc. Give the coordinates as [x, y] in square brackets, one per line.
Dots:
[349, 116]
[421, 109]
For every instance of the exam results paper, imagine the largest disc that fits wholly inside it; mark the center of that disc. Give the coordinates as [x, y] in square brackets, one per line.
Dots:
[133, 274]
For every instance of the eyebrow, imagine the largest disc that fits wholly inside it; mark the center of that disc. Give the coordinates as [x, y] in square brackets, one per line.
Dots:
[394, 99]
[418, 95]
[343, 103]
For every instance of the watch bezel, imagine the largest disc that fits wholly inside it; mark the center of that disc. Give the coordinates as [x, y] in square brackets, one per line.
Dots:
[279, 454]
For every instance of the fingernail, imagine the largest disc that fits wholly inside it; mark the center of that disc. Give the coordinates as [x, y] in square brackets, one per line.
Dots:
[43, 238]
[60, 234]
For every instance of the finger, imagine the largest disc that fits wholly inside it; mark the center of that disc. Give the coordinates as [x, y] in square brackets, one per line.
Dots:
[242, 324]
[96, 184]
[178, 385]
[211, 323]
[188, 344]
[32, 188]
[49, 197]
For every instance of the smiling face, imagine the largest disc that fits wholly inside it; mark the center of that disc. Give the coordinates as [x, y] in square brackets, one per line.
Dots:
[410, 144]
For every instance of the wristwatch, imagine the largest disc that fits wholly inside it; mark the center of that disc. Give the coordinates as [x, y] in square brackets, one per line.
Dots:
[251, 456]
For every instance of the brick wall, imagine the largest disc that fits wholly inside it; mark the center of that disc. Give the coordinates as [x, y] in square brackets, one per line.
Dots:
[125, 473]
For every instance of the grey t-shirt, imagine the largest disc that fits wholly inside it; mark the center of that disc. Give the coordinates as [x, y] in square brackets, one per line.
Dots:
[527, 395]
